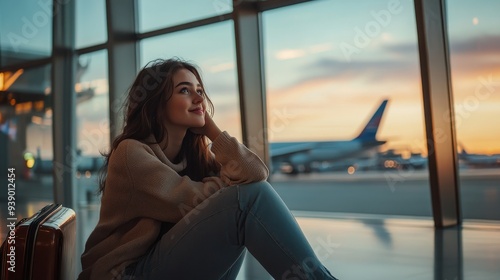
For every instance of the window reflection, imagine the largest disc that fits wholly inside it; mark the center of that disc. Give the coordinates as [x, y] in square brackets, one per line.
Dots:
[92, 132]
[26, 137]
[345, 109]
[92, 119]
[215, 56]
[474, 40]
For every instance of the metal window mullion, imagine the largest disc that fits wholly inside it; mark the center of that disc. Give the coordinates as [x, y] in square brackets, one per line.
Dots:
[251, 78]
[64, 103]
[122, 57]
[185, 26]
[275, 4]
[91, 49]
[438, 111]
[247, 27]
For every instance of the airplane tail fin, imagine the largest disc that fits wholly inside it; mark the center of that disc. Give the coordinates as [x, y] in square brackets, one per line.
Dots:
[369, 132]
[464, 152]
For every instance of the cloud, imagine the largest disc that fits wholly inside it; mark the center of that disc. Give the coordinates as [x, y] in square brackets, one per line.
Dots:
[369, 72]
[217, 87]
[289, 54]
[222, 67]
[470, 58]
[477, 46]
[320, 48]
[371, 69]
[481, 46]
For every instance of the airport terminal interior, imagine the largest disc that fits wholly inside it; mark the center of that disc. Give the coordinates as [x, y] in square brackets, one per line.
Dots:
[378, 119]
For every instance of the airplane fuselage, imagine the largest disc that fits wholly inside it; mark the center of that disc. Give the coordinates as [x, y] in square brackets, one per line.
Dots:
[330, 151]
[303, 154]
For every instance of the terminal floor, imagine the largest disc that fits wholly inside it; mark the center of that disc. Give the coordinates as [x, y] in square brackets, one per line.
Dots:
[361, 246]
[384, 247]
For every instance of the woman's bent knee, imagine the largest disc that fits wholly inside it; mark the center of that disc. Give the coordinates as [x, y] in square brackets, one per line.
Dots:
[256, 192]
[255, 187]
[260, 184]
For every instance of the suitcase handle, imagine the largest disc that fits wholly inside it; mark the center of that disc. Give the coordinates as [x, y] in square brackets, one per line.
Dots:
[43, 215]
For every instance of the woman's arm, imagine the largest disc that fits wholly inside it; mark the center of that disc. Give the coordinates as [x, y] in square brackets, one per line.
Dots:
[239, 165]
[137, 176]
[210, 129]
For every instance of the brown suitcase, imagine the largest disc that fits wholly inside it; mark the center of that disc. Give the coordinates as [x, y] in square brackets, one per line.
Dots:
[44, 246]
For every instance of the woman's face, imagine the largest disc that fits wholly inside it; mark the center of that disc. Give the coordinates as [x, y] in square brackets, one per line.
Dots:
[186, 106]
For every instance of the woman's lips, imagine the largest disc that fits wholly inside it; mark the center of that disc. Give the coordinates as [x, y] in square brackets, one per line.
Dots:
[197, 111]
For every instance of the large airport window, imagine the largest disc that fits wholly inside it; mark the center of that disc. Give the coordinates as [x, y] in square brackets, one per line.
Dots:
[155, 14]
[90, 23]
[211, 48]
[26, 32]
[26, 139]
[474, 40]
[344, 108]
[92, 119]
[92, 126]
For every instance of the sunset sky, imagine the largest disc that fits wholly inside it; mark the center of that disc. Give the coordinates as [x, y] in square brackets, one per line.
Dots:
[323, 82]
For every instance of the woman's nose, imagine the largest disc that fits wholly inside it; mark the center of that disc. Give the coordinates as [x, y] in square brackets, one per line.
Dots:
[198, 98]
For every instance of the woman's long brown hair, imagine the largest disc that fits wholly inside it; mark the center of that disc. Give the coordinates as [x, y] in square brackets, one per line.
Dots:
[144, 115]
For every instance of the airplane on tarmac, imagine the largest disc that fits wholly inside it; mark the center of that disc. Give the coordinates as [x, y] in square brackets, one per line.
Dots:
[479, 160]
[296, 157]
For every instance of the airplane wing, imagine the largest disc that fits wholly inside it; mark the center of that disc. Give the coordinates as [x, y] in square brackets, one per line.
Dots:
[286, 149]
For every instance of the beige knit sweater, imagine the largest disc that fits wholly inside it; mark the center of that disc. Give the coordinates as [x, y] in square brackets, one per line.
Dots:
[143, 189]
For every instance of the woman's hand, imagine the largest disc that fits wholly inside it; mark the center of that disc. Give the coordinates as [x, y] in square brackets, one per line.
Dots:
[210, 129]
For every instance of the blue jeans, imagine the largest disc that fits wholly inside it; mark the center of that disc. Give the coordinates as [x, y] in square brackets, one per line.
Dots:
[209, 242]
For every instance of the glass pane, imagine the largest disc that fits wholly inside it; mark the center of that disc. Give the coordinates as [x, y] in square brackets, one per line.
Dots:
[92, 116]
[26, 32]
[345, 110]
[474, 39]
[217, 61]
[155, 14]
[25, 141]
[90, 23]
[92, 132]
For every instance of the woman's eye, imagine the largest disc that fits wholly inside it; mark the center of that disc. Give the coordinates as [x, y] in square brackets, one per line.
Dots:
[186, 91]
